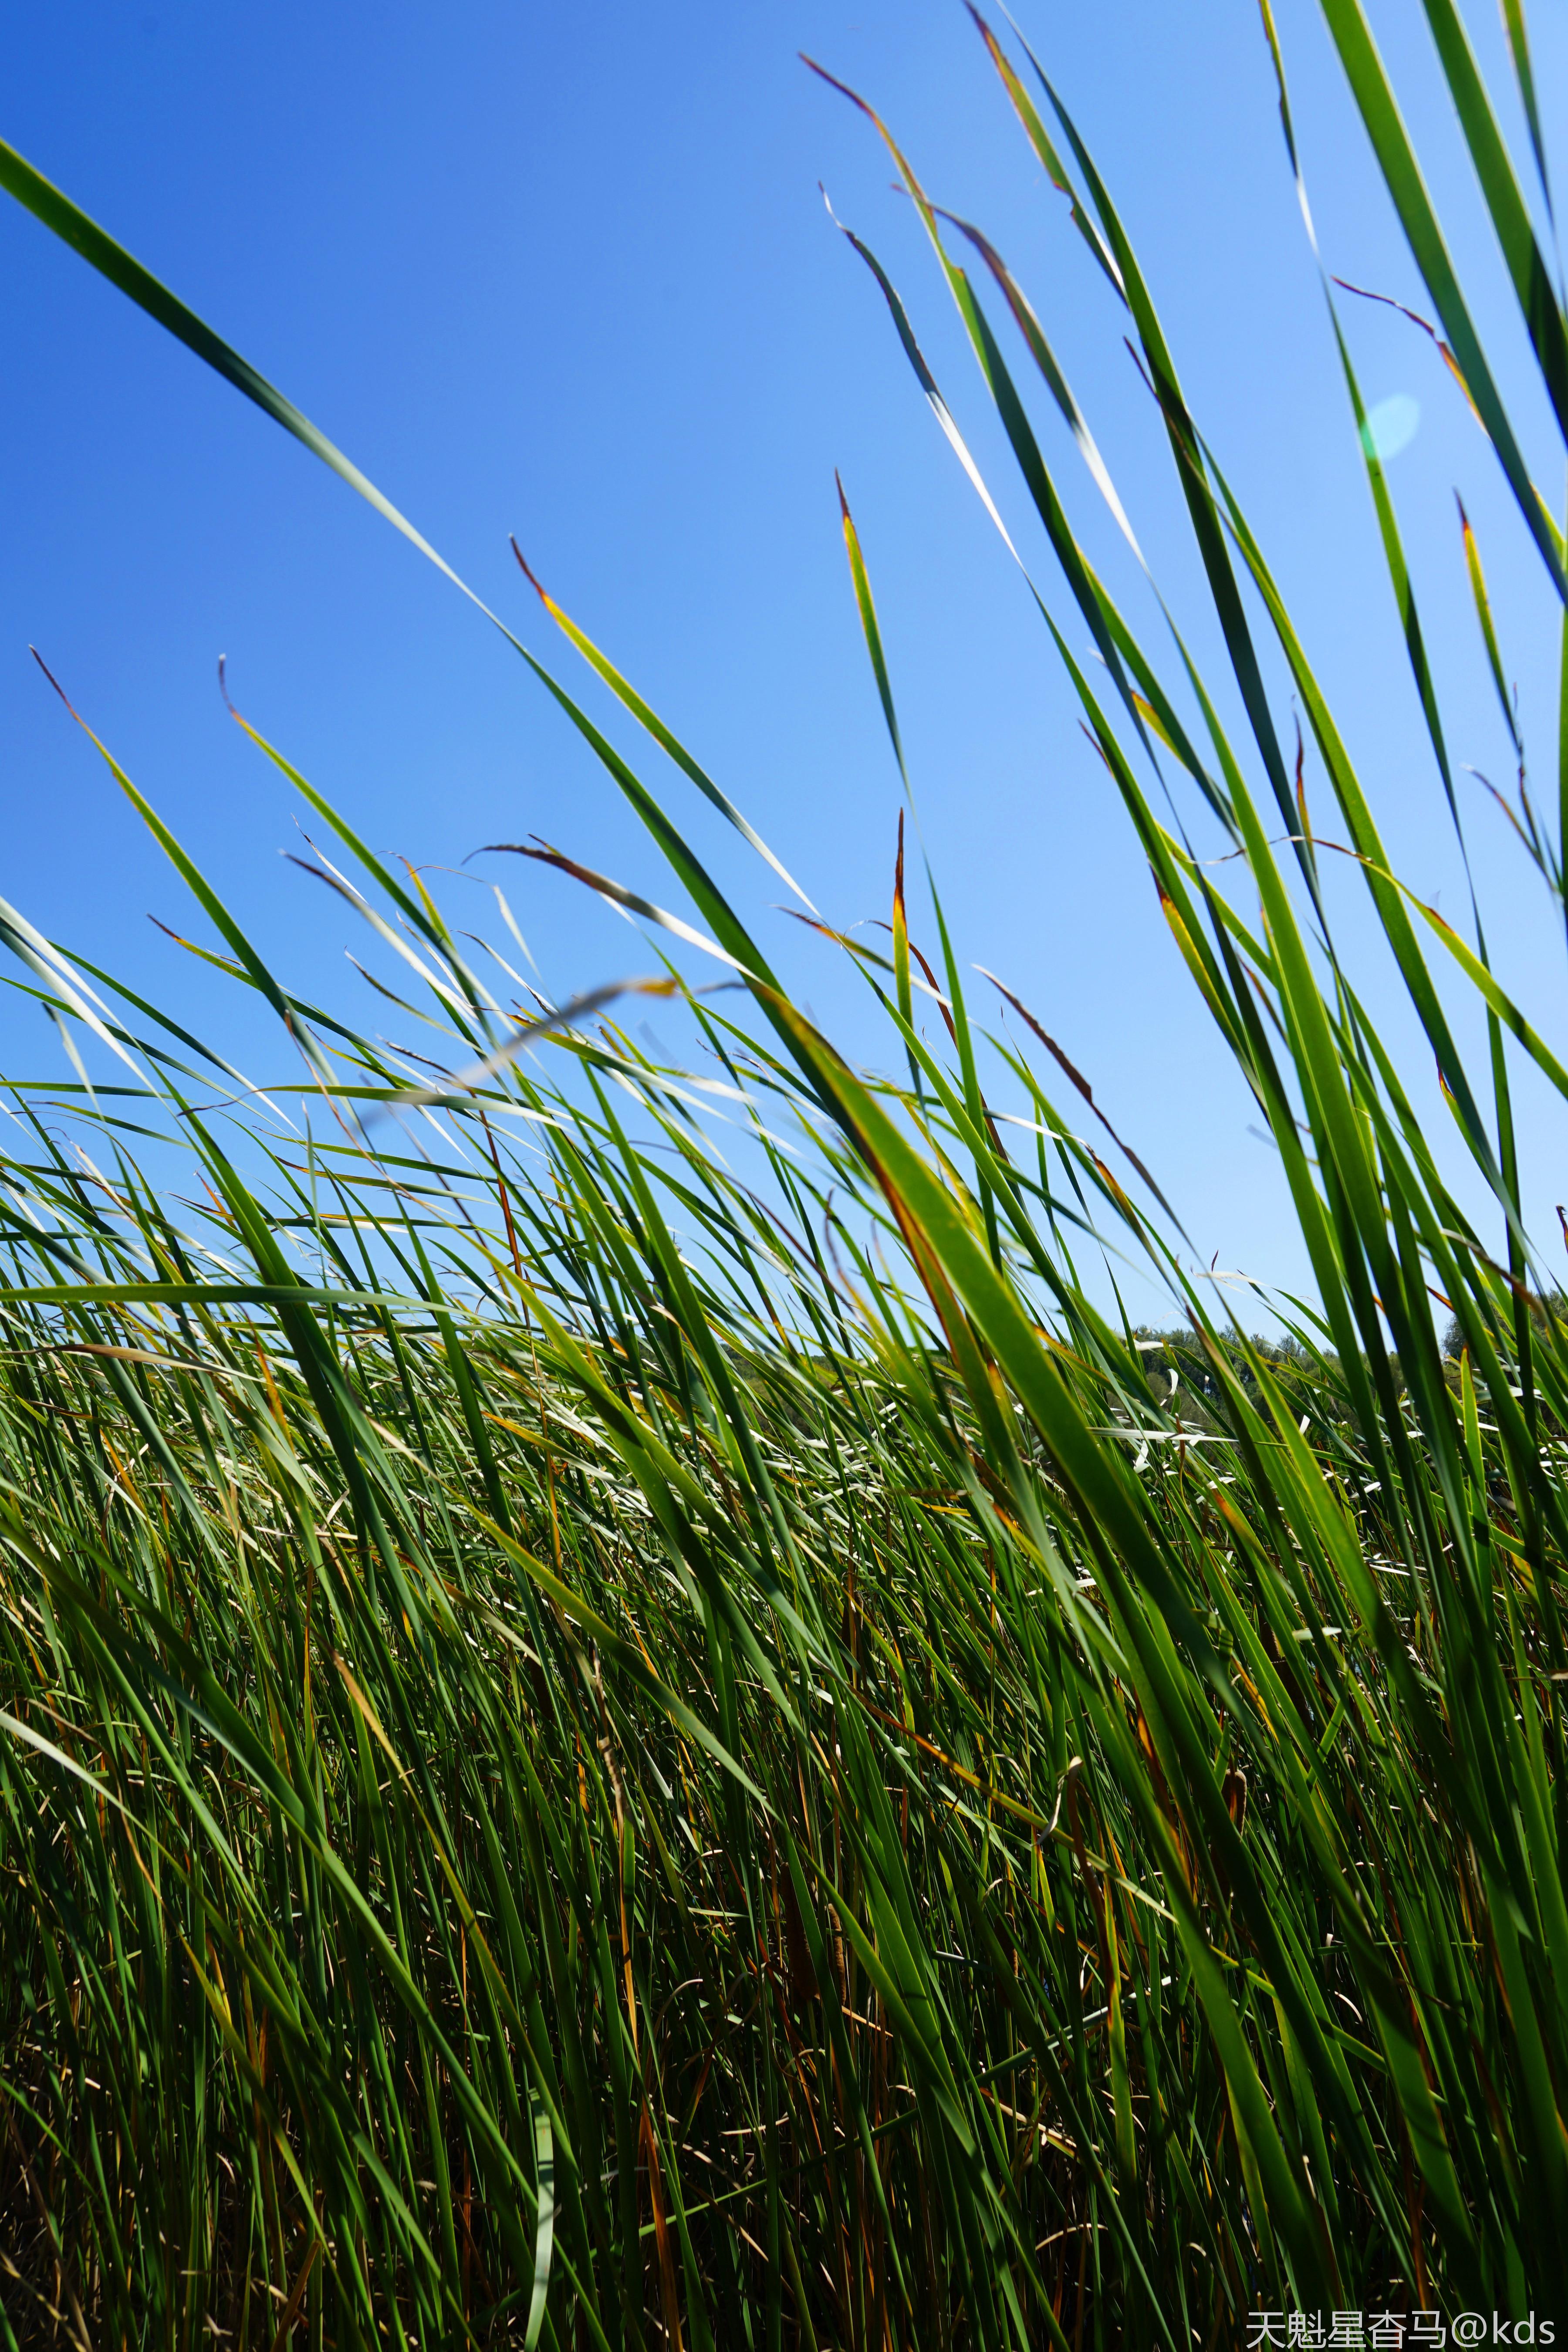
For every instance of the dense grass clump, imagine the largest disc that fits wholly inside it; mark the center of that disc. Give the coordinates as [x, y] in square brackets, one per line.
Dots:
[605, 1745]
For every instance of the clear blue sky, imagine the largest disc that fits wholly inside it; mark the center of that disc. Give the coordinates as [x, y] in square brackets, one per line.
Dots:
[567, 273]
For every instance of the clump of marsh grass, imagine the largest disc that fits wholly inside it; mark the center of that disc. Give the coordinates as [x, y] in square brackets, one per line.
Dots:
[603, 1750]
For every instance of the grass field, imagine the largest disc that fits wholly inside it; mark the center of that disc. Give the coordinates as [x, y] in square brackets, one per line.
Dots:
[600, 1750]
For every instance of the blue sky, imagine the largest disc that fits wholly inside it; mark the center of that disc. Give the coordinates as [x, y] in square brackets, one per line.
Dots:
[568, 274]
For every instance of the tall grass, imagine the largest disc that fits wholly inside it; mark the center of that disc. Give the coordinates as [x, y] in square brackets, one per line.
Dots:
[606, 1744]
